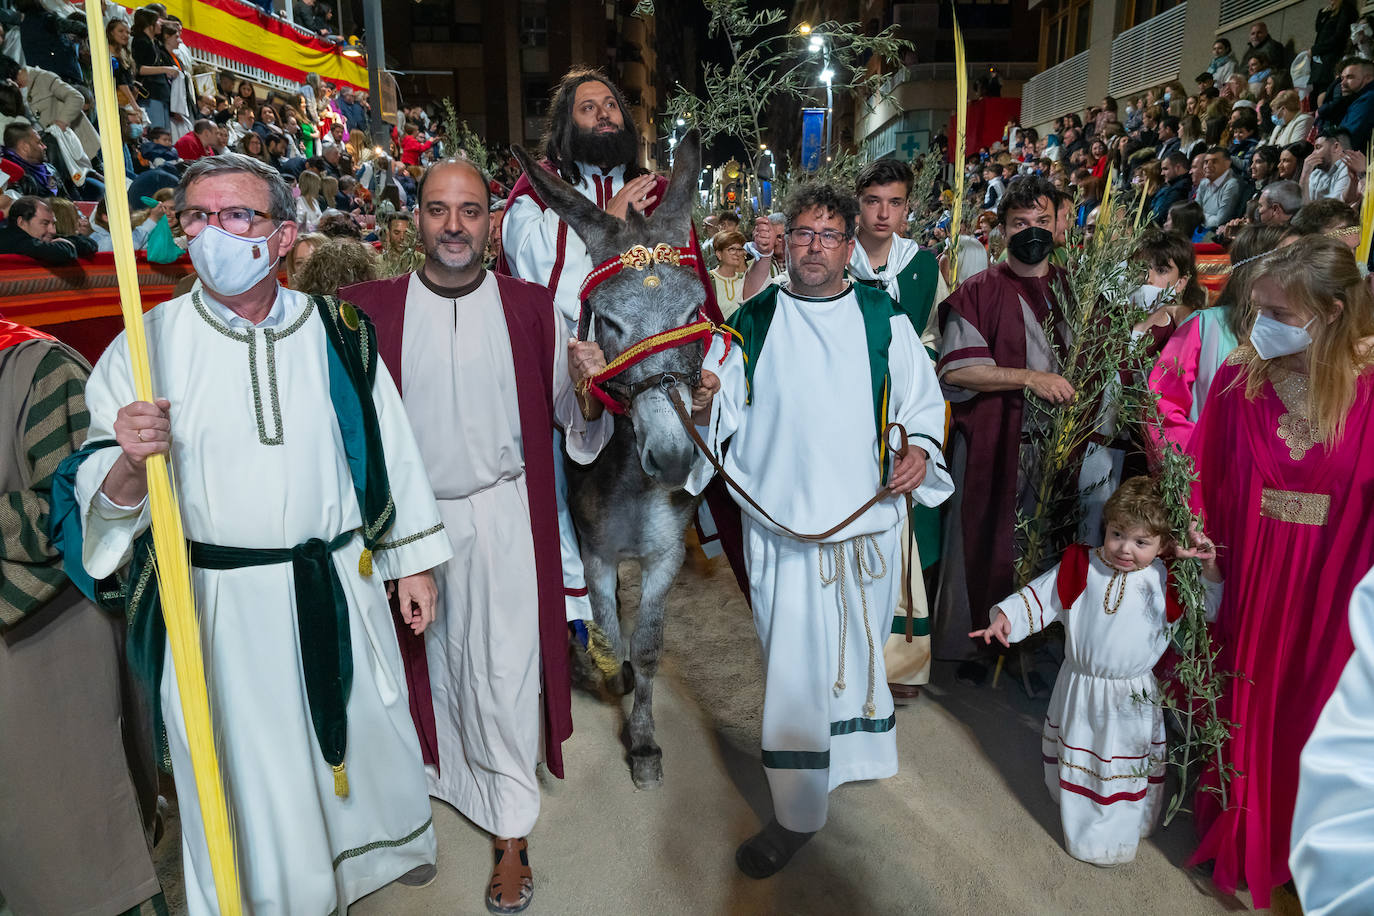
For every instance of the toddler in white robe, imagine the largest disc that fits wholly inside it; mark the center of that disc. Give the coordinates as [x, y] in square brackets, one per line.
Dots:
[1103, 747]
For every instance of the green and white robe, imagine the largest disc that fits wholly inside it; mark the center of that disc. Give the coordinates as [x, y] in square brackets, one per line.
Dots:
[806, 387]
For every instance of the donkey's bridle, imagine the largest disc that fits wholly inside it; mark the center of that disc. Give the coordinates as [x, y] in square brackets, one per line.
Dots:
[604, 386]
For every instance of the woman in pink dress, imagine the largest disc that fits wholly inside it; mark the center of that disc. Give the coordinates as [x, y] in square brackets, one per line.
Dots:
[1285, 457]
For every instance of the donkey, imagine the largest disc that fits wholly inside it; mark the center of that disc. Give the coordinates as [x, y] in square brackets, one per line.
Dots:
[630, 503]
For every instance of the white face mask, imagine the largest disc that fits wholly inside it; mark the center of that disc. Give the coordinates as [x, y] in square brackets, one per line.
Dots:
[230, 264]
[1147, 297]
[1272, 338]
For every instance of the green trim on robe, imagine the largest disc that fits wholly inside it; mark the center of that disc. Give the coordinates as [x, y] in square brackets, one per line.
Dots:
[920, 626]
[749, 327]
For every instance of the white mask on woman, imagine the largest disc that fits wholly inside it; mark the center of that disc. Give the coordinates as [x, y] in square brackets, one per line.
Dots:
[1272, 338]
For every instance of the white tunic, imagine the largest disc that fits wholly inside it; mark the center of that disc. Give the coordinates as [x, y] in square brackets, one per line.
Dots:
[530, 240]
[1333, 821]
[483, 650]
[263, 465]
[1103, 749]
[807, 449]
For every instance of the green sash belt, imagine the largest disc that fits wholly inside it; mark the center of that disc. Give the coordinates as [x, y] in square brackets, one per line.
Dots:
[322, 621]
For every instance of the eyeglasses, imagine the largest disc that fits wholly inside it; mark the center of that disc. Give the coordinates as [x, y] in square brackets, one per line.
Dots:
[830, 238]
[236, 220]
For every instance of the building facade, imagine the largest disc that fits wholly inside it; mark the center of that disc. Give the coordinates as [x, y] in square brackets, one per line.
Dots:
[500, 60]
[1092, 48]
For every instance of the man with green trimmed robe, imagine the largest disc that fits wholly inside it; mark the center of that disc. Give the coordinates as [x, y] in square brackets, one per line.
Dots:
[71, 832]
[910, 275]
[805, 387]
[303, 494]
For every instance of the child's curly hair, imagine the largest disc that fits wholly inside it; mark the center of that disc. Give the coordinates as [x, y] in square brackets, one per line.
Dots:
[1137, 503]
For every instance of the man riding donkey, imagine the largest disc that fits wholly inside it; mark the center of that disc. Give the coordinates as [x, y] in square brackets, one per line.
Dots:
[592, 143]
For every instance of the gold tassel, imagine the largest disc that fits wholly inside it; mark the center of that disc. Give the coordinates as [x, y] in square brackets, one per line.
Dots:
[599, 650]
[365, 568]
[340, 781]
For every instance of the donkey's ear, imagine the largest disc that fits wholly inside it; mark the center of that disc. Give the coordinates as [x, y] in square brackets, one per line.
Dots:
[673, 216]
[592, 224]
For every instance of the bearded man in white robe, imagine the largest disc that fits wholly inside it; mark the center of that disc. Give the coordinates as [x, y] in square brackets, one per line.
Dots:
[302, 492]
[818, 370]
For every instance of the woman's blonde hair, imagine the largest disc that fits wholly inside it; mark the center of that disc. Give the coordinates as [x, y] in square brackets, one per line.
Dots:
[64, 215]
[1287, 100]
[314, 240]
[329, 187]
[1318, 276]
[310, 185]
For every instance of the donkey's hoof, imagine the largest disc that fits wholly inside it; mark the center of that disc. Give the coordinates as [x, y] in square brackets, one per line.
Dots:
[646, 767]
[622, 684]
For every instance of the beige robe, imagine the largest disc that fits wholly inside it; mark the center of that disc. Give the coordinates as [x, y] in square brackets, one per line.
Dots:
[483, 648]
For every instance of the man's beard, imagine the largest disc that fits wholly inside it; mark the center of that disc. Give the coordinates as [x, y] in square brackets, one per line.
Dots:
[605, 151]
[460, 261]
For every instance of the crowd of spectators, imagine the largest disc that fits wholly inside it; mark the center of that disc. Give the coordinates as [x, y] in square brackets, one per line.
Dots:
[349, 183]
[1264, 131]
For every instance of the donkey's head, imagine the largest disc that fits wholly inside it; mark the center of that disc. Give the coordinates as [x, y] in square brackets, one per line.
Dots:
[634, 304]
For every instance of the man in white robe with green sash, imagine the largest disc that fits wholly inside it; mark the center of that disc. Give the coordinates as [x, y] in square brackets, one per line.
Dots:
[303, 493]
[812, 375]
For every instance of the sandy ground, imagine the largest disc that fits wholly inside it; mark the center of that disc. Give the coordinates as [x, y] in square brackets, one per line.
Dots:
[966, 827]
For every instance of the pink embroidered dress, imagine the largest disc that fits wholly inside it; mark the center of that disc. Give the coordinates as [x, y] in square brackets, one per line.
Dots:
[1292, 520]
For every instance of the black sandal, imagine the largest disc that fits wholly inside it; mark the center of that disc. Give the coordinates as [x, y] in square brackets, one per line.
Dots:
[765, 853]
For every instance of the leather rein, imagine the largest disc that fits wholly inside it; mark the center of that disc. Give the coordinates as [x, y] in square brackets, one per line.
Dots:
[617, 396]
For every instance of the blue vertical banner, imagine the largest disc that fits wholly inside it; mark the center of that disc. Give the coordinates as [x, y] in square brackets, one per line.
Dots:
[766, 194]
[812, 138]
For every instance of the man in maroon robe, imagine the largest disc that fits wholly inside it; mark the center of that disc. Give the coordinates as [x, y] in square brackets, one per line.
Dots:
[993, 351]
[486, 370]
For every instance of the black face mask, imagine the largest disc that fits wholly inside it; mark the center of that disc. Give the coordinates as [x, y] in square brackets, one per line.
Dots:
[1031, 246]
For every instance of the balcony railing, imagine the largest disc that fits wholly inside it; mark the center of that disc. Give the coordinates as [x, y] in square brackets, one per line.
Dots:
[1148, 54]
[1056, 91]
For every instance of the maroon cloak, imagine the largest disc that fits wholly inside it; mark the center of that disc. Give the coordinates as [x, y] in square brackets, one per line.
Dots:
[529, 314]
[991, 424]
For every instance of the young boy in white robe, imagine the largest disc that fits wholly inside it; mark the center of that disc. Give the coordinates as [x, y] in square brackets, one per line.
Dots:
[1102, 745]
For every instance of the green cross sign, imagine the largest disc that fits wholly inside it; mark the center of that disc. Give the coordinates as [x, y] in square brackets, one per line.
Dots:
[907, 145]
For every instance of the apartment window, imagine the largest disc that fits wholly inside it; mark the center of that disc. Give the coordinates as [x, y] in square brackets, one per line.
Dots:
[536, 100]
[432, 21]
[534, 25]
[1067, 30]
[1137, 11]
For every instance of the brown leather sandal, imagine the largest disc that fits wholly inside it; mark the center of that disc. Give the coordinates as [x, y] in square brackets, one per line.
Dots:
[512, 882]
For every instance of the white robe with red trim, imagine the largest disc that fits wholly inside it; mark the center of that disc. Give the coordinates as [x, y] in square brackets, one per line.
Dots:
[1103, 746]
